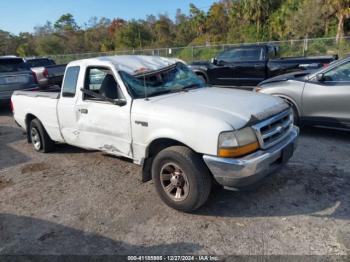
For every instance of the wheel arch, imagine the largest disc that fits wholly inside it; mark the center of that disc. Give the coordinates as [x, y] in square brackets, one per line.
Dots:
[202, 73]
[291, 101]
[154, 147]
[28, 119]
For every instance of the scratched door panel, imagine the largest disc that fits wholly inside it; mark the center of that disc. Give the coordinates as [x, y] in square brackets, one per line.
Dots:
[105, 127]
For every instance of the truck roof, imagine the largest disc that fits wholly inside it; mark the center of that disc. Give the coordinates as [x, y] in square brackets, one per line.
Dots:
[131, 64]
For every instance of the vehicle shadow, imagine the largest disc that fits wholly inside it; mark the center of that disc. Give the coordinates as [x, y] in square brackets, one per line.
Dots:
[294, 191]
[20, 235]
[68, 149]
[300, 188]
[311, 131]
[5, 110]
[10, 156]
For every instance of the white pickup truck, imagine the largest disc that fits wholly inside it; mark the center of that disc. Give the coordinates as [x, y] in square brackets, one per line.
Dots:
[158, 113]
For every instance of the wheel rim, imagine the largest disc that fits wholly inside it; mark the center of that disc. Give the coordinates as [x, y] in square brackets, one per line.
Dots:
[174, 182]
[35, 138]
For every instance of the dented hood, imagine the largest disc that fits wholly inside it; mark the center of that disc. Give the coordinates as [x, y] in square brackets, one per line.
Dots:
[238, 108]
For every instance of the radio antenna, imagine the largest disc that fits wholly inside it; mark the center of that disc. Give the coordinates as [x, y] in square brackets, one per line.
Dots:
[144, 85]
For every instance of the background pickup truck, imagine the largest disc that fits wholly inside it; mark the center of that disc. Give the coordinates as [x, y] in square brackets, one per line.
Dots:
[158, 113]
[248, 65]
[46, 71]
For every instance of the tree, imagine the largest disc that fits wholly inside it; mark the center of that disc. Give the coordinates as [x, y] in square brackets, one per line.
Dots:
[257, 11]
[26, 45]
[183, 30]
[341, 9]
[66, 23]
[217, 21]
[133, 35]
[96, 36]
[163, 30]
[198, 19]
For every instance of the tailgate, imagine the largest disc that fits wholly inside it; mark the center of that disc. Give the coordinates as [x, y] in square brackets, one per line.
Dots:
[10, 82]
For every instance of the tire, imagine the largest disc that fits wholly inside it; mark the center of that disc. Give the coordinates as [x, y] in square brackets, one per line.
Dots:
[179, 167]
[39, 138]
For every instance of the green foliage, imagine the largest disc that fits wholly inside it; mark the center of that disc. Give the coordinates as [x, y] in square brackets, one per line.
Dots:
[227, 21]
[133, 35]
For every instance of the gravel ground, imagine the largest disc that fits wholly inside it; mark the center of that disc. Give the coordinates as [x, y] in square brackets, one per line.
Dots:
[73, 201]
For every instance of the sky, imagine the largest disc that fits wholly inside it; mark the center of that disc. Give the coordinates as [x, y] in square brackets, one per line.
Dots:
[23, 15]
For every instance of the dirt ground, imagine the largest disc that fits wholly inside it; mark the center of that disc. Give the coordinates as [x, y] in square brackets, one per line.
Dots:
[73, 201]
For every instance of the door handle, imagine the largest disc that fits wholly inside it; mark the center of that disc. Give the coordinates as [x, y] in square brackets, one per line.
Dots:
[83, 111]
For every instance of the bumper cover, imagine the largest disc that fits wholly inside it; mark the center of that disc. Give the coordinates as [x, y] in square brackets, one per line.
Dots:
[246, 171]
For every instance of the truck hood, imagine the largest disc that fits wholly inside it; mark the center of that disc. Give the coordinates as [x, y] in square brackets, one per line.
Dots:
[237, 108]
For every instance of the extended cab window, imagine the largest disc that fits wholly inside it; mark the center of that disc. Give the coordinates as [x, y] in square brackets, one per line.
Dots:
[70, 81]
[101, 82]
[241, 55]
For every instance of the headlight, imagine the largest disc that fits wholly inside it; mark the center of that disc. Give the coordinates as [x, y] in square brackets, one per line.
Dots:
[237, 143]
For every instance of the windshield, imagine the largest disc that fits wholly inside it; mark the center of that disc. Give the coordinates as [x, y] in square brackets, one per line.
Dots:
[168, 80]
[13, 65]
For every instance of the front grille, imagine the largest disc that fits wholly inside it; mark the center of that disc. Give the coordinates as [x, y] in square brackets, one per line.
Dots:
[274, 129]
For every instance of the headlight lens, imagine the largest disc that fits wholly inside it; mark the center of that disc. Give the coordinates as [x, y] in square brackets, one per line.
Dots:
[237, 143]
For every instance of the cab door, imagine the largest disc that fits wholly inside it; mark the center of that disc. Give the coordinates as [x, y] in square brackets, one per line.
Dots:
[326, 99]
[241, 66]
[101, 124]
[93, 123]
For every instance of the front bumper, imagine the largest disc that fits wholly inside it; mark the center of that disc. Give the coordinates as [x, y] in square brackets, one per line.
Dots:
[243, 172]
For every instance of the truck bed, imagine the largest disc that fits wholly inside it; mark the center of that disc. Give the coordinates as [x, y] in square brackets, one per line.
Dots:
[38, 104]
[46, 93]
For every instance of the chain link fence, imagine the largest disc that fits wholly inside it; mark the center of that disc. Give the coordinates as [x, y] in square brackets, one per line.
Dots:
[303, 47]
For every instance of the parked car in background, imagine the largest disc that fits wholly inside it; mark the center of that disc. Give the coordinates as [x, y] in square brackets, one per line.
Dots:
[46, 71]
[319, 97]
[157, 112]
[15, 74]
[248, 65]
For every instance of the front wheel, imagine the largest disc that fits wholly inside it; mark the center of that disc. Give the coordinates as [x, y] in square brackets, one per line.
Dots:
[181, 178]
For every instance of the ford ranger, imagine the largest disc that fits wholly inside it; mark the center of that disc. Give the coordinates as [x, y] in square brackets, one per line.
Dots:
[158, 113]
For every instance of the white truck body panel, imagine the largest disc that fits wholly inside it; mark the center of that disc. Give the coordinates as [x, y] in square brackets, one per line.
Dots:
[42, 107]
[194, 118]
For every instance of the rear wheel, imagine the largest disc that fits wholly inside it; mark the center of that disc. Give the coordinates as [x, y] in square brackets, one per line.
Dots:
[181, 178]
[39, 137]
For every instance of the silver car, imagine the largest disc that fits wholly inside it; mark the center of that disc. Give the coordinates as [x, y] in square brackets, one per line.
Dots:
[318, 98]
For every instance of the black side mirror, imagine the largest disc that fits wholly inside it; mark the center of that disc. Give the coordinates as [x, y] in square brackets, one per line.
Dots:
[220, 63]
[320, 77]
[119, 102]
[213, 60]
